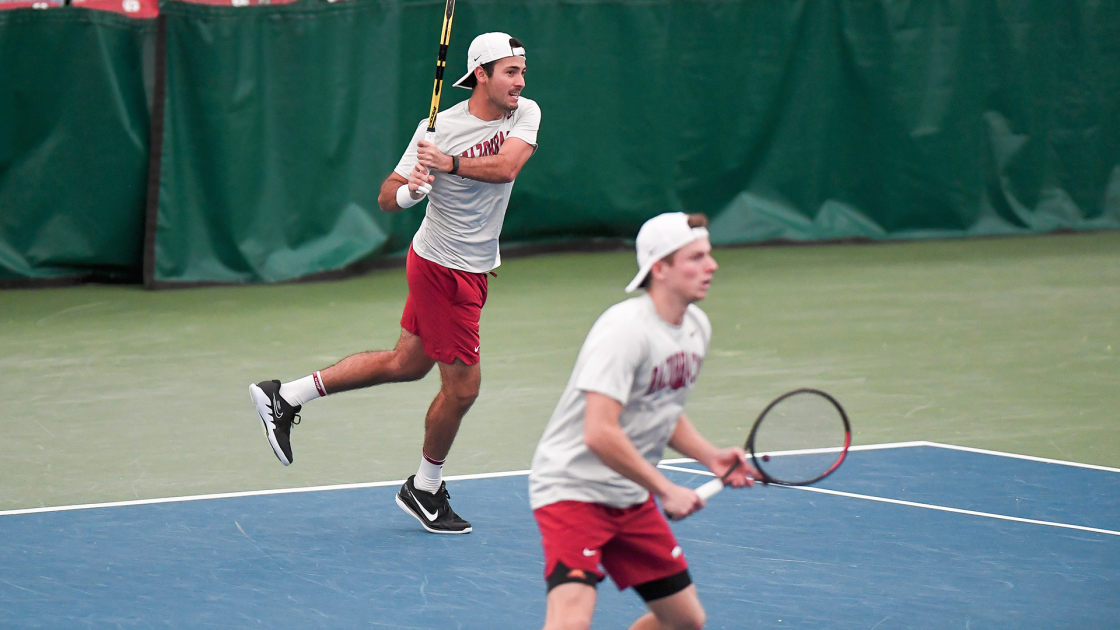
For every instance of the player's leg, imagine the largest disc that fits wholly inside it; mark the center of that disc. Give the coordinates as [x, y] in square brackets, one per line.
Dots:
[679, 611]
[405, 362]
[278, 405]
[458, 390]
[645, 555]
[572, 533]
[424, 495]
[447, 308]
[570, 607]
[412, 358]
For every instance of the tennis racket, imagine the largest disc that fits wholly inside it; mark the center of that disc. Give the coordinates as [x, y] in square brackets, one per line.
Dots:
[441, 63]
[800, 438]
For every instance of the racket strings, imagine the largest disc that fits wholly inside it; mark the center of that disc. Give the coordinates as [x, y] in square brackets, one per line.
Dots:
[801, 437]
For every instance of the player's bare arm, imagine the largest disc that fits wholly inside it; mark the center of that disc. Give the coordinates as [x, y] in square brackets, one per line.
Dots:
[688, 441]
[387, 199]
[605, 437]
[492, 169]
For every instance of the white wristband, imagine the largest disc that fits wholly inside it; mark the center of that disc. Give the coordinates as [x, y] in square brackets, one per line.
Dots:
[404, 198]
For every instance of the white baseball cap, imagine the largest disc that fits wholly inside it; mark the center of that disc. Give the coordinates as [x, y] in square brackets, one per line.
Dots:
[660, 236]
[485, 48]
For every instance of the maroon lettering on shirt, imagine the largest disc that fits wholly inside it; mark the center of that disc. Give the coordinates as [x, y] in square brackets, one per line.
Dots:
[679, 370]
[490, 147]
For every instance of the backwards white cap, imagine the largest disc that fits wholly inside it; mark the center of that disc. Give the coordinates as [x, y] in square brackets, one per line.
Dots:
[485, 48]
[660, 236]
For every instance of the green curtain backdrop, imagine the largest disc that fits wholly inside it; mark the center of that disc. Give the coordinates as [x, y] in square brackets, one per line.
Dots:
[782, 119]
[914, 119]
[277, 131]
[74, 133]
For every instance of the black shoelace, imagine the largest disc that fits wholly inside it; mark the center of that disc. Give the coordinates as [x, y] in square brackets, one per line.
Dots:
[295, 416]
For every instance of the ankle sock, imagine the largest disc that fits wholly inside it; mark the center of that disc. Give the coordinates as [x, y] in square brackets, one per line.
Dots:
[430, 475]
[303, 390]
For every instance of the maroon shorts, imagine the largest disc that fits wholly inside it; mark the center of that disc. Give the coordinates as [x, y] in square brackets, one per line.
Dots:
[443, 308]
[633, 545]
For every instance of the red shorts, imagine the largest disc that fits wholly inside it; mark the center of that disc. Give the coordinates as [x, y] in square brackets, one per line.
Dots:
[633, 545]
[443, 308]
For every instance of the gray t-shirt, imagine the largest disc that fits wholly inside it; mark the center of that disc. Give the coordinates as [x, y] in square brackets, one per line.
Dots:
[645, 363]
[464, 216]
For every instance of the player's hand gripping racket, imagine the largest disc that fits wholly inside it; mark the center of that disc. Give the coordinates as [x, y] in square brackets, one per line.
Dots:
[437, 88]
[799, 439]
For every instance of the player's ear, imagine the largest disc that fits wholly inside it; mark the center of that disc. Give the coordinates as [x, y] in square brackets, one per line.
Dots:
[480, 75]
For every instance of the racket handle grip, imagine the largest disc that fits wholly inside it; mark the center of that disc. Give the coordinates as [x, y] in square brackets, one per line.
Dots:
[430, 136]
[710, 489]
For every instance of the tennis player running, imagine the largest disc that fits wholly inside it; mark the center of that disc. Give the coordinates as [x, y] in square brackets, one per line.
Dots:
[594, 475]
[467, 173]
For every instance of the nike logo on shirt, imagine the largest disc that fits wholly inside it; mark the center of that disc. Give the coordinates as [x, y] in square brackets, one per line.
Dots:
[589, 553]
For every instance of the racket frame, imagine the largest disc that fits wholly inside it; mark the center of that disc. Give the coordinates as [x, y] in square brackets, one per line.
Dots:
[441, 64]
[749, 447]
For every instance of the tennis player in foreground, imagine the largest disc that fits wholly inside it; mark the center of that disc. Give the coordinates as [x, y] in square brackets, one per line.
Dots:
[594, 474]
[467, 174]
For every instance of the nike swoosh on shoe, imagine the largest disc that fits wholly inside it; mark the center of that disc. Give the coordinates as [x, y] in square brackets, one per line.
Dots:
[428, 515]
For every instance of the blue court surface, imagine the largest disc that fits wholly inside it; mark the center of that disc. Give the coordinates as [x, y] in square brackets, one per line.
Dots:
[916, 535]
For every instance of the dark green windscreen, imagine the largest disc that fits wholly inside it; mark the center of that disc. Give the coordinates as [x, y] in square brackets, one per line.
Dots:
[794, 120]
[781, 119]
[74, 134]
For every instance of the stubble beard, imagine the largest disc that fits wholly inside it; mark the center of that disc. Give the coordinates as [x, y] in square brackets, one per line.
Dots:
[501, 104]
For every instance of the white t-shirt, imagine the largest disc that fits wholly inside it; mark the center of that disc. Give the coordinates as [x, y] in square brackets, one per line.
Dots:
[645, 363]
[464, 216]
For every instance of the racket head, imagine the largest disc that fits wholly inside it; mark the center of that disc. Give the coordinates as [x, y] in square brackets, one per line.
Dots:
[800, 438]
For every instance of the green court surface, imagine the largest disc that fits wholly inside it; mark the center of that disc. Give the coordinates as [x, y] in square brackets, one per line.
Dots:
[115, 393]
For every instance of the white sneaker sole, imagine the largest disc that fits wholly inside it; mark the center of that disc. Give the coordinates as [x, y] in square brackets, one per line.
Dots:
[261, 402]
[408, 510]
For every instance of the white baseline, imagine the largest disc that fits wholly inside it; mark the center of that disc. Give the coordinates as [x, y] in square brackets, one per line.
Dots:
[666, 464]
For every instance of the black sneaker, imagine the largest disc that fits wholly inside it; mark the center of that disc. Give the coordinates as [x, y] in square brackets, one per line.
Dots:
[277, 417]
[432, 510]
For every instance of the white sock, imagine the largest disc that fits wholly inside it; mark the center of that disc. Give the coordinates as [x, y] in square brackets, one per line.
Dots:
[303, 390]
[430, 475]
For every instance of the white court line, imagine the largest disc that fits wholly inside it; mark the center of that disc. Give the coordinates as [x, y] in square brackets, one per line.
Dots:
[251, 493]
[835, 449]
[512, 473]
[1030, 458]
[942, 508]
[928, 506]
[967, 449]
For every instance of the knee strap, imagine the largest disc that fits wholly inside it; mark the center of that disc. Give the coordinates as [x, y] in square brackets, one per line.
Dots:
[562, 574]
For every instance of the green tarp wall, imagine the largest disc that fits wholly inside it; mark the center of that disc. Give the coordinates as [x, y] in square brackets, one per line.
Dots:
[819, 119]
[74, 131]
